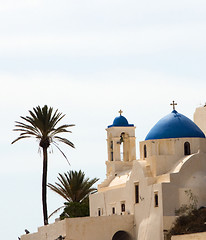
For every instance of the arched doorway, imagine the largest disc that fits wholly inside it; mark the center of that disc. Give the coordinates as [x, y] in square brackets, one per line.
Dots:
[121, 235]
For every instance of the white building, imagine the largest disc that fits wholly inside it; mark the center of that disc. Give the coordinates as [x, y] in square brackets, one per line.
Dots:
[138, 198]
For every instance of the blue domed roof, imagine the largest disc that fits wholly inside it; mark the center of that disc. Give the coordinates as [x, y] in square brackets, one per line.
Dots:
[174, 125]
[120, 121]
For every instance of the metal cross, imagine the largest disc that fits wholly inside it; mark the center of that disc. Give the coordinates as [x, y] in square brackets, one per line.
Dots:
[173, 104]
[120, 112]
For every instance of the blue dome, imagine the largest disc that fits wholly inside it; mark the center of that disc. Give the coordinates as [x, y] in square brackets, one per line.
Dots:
[120, 121]
[174, 125]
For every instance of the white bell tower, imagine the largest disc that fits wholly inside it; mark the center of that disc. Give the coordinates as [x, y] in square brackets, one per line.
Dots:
[121, 145]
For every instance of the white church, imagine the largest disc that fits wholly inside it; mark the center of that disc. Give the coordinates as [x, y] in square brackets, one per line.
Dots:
[138, 198]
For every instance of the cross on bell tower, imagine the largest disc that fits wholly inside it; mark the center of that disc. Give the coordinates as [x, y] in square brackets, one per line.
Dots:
[173, 104]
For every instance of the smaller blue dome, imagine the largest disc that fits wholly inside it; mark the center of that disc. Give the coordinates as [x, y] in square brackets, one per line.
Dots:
[175, 125]
[120, 121]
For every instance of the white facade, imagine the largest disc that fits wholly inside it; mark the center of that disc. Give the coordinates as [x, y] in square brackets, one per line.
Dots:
[161, 176]
[138, 198]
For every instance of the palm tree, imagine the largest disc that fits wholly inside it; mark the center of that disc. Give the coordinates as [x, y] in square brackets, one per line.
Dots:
[74, 187]
[41, 124]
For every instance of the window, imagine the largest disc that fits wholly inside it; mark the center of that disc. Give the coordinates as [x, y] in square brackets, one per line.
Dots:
[123, 207]
[111, 151]
[113, 210]
[111, 156]
[136, 193]
[111, 145]
[156, 201]
[145, 151]
[187, 148]
[99, 211]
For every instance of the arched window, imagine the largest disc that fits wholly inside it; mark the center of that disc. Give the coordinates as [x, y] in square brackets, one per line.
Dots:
[187, 148]
[123, 207]
[145, 151]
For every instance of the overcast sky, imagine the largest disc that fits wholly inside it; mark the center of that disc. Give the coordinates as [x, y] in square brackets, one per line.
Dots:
[89, 59]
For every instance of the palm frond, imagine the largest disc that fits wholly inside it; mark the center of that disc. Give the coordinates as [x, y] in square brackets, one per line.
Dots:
[24, 126]
[61, 129]
[19, 138]
[73, 186]
[59, 191]
[55, 211]
[61, 152]
[64, 140]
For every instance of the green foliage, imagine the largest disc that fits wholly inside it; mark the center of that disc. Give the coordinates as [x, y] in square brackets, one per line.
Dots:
[76, 209]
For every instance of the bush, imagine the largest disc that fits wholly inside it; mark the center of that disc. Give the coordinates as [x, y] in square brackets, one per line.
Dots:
[194, 222]
[76, 209]
[190, 219]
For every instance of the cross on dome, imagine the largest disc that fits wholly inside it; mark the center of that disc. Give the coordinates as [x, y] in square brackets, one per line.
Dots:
[120, 112]
[173, 104]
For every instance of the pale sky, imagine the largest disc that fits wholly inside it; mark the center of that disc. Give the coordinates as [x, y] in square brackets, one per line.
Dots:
[89, 59]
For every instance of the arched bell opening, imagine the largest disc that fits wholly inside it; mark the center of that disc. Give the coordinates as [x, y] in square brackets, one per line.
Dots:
[121, 142]
[124, 146]
[121, 235]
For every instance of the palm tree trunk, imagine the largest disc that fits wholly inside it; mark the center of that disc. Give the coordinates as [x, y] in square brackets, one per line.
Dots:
[44, 186]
